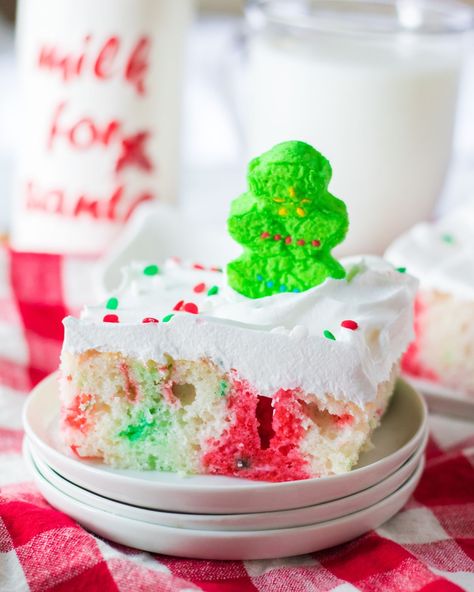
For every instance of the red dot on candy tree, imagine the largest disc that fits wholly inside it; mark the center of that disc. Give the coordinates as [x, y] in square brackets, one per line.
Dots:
[198, 266]
[150, 320]
[316, 243]
[178, 305]
[300, 242]
[265, 235]
[198, 288]
[288, 240]
[110, 318]
[352, 325]
[191, 307]
[277, 237]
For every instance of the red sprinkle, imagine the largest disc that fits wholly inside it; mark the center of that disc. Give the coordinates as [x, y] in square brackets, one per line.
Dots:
[217, 269]
[277, 237]
[178, 305]
[176, 259]
[198, 266]
[300, 242]
[198, 288]
[316, 243]
[191, 307]
[150, 320]
[265, 235]
[352, 325]
[110, 318]
[288, 240]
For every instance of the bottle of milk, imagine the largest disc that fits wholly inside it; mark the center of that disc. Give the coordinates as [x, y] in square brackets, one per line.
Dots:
[373, 86]
[100, 87]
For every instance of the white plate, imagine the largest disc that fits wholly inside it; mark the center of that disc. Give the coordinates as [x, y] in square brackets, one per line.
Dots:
[442, 399]
[236, 545]
[402, 430]
[255, 521]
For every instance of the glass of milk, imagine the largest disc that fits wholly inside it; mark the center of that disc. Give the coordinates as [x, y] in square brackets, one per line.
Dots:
[373, 86]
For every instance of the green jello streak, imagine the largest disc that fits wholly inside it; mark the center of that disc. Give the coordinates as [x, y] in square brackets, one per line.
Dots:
[223, 387]
[137, 431]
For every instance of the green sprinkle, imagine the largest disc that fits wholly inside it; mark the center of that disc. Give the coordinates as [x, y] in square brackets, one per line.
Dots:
[167, 318]
[212, 291]
[223, 387]
[112, 303]
[353, 271]
[448, 238]
[328, 335]
[401, 269]
[151, 270]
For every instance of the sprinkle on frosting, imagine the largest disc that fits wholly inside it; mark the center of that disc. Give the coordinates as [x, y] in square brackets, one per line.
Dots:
[191, 308]
[353, 272]
[150, 320]
[349, 324]
[213, 291]
[328, 335]
[112, 303]
[401, 269]
[198, 288]
[110, 318]
[167, 318]
[448, 238]
[151, 270]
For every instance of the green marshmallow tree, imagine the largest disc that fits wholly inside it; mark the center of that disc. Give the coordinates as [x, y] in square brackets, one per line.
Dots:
[287, 223]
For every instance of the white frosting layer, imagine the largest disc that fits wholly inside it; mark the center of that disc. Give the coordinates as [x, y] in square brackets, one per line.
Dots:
[440, 254]
[274, 342]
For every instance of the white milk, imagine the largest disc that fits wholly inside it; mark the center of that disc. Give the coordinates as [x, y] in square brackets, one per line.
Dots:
[382, 113]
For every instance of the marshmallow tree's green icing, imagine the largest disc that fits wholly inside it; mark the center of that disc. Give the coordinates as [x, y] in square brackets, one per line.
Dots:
[287, 222]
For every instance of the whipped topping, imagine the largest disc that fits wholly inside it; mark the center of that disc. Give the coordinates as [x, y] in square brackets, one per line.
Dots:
[280, 341]
[440, 254]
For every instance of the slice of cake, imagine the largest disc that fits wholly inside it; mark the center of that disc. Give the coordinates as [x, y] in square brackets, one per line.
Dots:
[281, 375]
[441, 255]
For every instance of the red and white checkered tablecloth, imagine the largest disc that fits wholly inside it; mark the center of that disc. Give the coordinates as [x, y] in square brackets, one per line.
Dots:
[428, 546]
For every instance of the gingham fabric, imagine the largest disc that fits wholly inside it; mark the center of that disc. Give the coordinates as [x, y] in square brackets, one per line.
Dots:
[428, 546]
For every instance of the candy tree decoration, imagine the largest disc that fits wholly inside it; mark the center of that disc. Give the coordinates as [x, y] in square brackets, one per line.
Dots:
[287, 222]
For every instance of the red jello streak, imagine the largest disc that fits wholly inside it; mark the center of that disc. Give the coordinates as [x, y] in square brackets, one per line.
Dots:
[411, 363]
[167, 392]
[75, 415]
[345, 419]
[131, 387]
[240, 449]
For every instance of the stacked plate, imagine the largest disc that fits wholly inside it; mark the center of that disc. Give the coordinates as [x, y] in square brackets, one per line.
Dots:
[212, 517]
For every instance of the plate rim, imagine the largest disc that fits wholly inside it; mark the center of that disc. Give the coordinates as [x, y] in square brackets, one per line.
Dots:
[413, 479]
[29, 451]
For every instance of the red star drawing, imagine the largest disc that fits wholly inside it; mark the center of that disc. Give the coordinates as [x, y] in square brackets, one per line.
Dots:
[133, 153]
